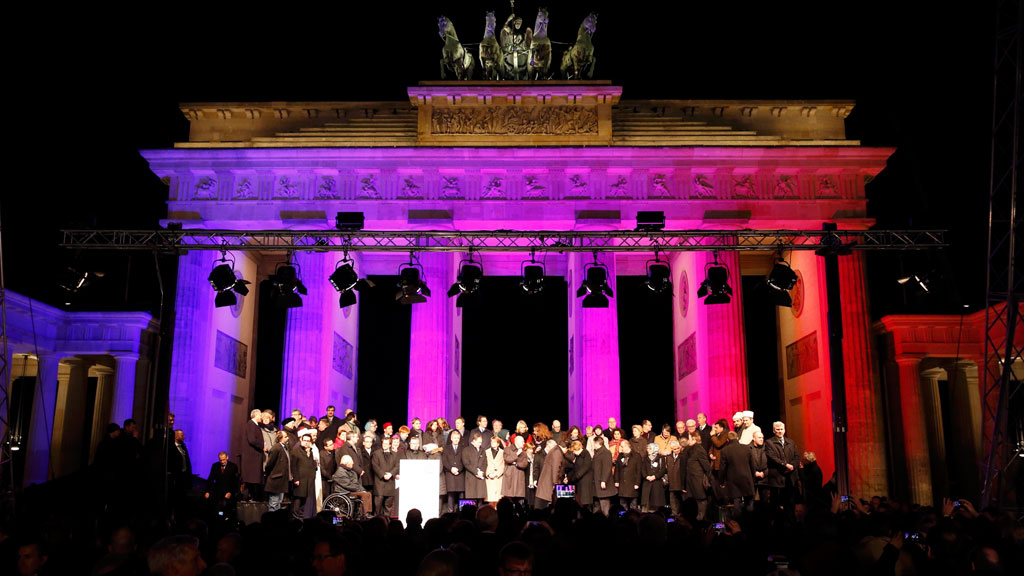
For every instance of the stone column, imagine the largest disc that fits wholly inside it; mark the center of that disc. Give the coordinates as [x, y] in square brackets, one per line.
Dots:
[101, 407]
[594, 394]
[864, 409]
[725, 374]
[915, 432]
[192, 352]
[44, 398]
[934, 429]
[304, 378]
[123, 398]
[965, 413]
[433, 384]
[69, 416]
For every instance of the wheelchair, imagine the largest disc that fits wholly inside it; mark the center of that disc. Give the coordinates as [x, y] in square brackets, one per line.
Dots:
[344, 506]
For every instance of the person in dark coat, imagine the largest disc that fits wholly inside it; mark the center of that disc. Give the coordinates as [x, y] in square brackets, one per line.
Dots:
[304, 473]
[513, 482]
[638, 443]
[222, 483]
[365, 463]
[279, 472]
[385, 468]
[760, 463]
[737, 474]
[652, 495]
[333, 424]
[582, 476]
[328, 465]
[534, 465]
[346, 480]
[550, 475]
[253, 450]
[675, 466]
[704, 429]
[474, 463]
[698, 467]
[604, 478]
[179, 467]
[454, 473]
[628, 475]
[783, 460]
[812, 481]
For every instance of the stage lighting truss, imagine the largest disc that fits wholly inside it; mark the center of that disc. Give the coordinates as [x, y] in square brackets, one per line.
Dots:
[715, 288]
[531, 275]
[595, 290]
[347, 282]
[659, 275]
[288, 285]
[226, 282]
[467, 283]
[780, 281]
[411, 287]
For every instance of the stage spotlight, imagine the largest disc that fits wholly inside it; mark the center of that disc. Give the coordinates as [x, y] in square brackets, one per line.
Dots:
[351, 221]
[715, 286]
[226, 283]
[72, 280]
[780, 281]
[347, 282]
[411, 288]
[595, 289]
[650, 221]
[468, 282]
[288, 285]
[659, 276]
[531, 277]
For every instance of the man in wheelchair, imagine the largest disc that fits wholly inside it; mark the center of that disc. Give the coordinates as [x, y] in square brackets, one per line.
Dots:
[346, 481]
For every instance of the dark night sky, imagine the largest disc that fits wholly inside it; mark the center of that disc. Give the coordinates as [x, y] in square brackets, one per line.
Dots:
[91, 88]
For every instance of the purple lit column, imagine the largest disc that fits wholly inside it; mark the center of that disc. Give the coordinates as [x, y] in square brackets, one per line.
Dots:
[123, 398]
[304, 378]
[724, 375]
[192, 354]
[434, 383]
[594, 382]
[44, 401]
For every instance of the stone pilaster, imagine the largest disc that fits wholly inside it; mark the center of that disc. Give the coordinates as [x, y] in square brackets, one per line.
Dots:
[934, 429]
[725, 372]
[44, 399]
[304, 378]
[594, 385]
[864, 408]
[123, 397]
[101, 407]
[69, 416]
[915, 440]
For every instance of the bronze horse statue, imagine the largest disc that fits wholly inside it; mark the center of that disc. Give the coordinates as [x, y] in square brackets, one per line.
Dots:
[453, 56]
[492, 63]
[540, 48]
[579, 59]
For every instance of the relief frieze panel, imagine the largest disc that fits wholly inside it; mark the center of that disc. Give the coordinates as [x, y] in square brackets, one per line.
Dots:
[514, 120]
[534, 187]
[743, 187]
[785, 187]
[205, 188]
[328, 188]
[245, 188]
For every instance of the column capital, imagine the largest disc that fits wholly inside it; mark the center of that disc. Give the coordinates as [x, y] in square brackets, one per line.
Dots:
[73, 361]
[121, 356]
[907, 360]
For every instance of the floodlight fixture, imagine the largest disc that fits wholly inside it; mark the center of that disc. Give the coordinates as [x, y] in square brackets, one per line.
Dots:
[780, 281]
[467, 284]
[650, 220]
[347, 282]
[715, 288]
[659, 275]
[288, 285]
[226, 282]
[351, 221]
[921, 283]
[531, 276]
[412, 289]
[595, 290]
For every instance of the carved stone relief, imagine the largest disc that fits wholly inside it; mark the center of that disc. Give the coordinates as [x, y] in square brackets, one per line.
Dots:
[702, 187]
[619, 188]
[244, 189]
[286, 188]
[744, 187]
[533, 188]
[368, 187]
[450, 187]
[785, 187]
[659, 186]
[328, 188]
[410, 189]
[546, 120]
[206, 189]
[827, 188]
[577, 186]
[494, 188]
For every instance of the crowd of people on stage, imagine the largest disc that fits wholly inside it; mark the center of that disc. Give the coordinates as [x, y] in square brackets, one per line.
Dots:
[731, 464]
[541, 499]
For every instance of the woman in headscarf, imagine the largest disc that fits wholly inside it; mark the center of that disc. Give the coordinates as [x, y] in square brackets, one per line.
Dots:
[653, 496]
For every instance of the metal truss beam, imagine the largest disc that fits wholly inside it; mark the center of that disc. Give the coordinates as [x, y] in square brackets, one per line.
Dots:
[500, 240]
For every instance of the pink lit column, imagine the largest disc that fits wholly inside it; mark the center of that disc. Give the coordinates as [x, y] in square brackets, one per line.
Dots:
[865, 435]
[304, 378]
[44, 402]
[434, 363]
[594, 384]
[724, 374]
[915, 435]
[124, 386]
[192, 354]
